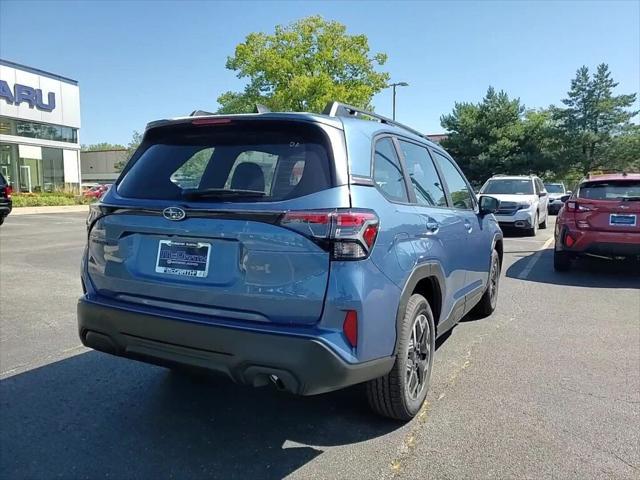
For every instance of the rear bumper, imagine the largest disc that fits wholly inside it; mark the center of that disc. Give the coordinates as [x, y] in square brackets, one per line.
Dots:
[599, 243]
[304, 365]
[5, 208]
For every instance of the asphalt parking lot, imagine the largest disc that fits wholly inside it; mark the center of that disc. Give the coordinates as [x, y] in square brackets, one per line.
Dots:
[548, 387]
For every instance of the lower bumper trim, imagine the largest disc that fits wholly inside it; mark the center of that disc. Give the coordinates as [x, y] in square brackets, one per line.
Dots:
[302, 365]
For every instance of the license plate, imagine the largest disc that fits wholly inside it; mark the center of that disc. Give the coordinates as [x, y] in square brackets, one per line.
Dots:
[189, 259]
[622, 220]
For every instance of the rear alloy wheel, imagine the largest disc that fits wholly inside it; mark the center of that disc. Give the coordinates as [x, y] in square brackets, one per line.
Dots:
[401, 393]
[487, 304]
[561, 261]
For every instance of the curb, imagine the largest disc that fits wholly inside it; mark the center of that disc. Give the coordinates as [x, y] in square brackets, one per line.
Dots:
[61, 209]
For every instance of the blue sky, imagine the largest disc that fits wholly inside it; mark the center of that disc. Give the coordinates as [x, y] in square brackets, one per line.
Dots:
[139, 61]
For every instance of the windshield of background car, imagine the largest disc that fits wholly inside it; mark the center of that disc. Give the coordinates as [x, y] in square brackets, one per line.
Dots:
[610, 190]
[235, 161]
[509, 187]
[554, 187]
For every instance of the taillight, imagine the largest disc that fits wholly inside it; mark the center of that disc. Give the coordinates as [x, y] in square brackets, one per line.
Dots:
[350, 327]
[573, 206]
[349, 234]
[8, 190]
[95, 212]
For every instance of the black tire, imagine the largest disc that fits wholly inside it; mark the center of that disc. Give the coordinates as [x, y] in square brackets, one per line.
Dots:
[533, 231]
[543, 225]
[390, 395]
[487, 304]
[2, 217]
[561, 261]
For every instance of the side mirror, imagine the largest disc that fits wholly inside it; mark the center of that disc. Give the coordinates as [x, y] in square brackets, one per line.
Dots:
[488, 205]
[542, 194]
[569, 192]
[564, 198]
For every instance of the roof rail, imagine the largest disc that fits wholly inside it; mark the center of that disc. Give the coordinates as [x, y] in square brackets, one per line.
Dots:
[337, 109]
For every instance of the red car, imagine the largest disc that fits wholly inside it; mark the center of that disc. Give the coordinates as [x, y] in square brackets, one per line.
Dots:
[601, 219]
[96, 191]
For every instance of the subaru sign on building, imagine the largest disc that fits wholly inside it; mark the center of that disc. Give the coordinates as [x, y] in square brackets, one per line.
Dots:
[39, 124]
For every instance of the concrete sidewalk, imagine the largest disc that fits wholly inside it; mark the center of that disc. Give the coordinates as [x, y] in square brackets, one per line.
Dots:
[61, 209]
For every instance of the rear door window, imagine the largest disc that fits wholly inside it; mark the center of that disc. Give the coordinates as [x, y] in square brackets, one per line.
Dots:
[387, 172]
[241, 161]
[424, 177]
[461, 196]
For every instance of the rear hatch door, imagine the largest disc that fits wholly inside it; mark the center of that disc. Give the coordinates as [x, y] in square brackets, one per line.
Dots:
[610, 206]
[193, 223]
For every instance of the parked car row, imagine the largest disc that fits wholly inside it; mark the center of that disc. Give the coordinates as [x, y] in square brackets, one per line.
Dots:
[524, 202]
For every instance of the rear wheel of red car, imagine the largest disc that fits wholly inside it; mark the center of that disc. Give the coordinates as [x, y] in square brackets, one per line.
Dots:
[401, 393]
[561, 261]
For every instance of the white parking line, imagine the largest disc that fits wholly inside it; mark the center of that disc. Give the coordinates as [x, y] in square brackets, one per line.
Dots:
[534, 259]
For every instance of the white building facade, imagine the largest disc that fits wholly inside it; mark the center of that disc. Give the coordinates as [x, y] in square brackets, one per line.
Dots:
[39, 129]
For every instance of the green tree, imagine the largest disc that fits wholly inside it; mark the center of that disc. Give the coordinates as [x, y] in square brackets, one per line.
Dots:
[102, 146]
[594, 120]
[497, 135]
[136, 139]
[303, 66]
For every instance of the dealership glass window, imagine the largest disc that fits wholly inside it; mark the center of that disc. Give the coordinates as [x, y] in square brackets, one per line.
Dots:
[52, 169]
[44, 131]
[9, 163]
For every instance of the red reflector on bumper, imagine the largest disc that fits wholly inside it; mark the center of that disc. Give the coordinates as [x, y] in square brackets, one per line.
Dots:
[569, 240]
[350, 327]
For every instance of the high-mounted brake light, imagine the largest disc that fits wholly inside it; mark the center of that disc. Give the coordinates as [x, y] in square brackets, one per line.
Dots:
[349, 234]
[211, 121]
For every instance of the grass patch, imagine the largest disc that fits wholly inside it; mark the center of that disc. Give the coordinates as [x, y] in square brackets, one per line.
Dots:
[53, 199]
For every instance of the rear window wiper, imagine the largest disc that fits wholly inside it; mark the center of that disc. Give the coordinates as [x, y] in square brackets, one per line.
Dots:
[221, 193]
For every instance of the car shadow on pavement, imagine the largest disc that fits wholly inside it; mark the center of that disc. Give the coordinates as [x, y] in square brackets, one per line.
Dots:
[94, 415]
[585, 272]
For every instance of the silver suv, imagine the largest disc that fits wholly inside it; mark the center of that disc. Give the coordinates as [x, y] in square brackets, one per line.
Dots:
[523, 201]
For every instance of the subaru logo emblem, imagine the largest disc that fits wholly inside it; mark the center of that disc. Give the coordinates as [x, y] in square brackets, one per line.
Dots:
[174, 213]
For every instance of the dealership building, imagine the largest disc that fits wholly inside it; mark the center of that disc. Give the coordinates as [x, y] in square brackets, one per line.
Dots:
[39, 125]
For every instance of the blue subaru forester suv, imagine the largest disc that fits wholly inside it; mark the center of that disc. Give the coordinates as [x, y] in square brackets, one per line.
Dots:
[311, 251]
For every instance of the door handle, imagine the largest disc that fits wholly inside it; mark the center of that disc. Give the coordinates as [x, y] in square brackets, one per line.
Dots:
[432, 227]
[468, 226]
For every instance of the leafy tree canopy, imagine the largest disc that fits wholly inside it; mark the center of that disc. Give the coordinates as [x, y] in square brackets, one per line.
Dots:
[303, 66]
[594, 126]
[496, 135]
[102, 146]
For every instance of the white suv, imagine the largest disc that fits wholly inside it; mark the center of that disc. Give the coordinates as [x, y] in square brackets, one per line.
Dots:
[523, 201]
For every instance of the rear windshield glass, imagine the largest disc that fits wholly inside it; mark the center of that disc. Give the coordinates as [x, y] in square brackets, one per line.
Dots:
[238, 161]
[509, 187]
[554, 187]
[611, 190]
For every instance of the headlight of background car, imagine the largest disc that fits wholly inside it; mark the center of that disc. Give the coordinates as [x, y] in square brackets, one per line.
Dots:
[523, 205]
